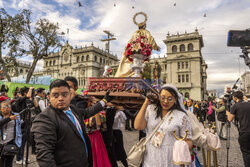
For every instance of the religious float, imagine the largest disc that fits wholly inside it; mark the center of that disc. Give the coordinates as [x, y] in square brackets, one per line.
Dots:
[127, 87]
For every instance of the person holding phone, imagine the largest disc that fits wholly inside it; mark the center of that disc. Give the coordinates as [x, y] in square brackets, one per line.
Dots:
[10, 126]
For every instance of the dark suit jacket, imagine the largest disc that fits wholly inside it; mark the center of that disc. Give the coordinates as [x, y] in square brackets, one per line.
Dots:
[58, 143]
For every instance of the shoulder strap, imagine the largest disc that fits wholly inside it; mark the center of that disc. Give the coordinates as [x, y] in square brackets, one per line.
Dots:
[157, 127]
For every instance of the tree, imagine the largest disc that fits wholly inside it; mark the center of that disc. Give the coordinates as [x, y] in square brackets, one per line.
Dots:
[11, 28]
[42, 38]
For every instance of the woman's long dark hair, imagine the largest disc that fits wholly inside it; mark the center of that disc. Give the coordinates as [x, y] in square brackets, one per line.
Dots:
[176, 106]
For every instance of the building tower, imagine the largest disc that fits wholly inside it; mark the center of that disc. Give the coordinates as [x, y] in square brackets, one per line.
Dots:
[185, 66]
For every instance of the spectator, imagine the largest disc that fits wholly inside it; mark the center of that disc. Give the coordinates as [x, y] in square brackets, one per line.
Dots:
[241, 112]
[10, 125]
[40, 99]
[222, 118]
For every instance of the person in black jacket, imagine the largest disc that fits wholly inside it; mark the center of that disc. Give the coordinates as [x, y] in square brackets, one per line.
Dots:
[79, 101]
[61, 140]
[240, 111]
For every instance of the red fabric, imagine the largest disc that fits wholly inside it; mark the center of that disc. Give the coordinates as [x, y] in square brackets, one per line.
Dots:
[99, 152]
[3, 98]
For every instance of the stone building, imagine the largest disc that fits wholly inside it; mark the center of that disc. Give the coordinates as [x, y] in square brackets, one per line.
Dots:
[184, 65]
[17, 68]
[212, 93]
[246, 83]
[81, 63]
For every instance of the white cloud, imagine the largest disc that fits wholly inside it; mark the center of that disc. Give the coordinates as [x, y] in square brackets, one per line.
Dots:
[86, 25]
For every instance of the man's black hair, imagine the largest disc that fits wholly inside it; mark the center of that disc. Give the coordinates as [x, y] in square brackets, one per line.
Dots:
[72, 79]
[238, 95]
[4, 89]
[24, 90]
[58, 83]
[40, 90]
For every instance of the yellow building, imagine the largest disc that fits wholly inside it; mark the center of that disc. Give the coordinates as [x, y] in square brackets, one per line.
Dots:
[184, 65]
[81, 63]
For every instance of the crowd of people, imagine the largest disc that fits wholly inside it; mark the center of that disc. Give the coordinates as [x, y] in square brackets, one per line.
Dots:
[66, 129]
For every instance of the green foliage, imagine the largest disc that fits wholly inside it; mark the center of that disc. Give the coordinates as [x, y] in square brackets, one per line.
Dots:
[42, 38]
[146, 74]
[11, 30]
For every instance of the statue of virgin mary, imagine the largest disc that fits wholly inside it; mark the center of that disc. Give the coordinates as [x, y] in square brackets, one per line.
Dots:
[124, 69]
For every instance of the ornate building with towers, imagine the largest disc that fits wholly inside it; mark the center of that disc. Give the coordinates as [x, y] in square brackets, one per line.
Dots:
[81, 63]
[184, 65]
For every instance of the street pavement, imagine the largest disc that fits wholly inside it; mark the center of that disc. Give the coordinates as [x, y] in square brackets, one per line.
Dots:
[235, 156]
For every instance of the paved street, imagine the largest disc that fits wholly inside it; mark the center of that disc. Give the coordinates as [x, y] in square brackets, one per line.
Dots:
[235, 157]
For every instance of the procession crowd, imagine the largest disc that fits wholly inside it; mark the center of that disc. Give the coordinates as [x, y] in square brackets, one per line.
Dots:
[66, 129]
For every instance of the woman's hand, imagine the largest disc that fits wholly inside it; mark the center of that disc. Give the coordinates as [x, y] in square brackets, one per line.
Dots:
[13, 117]
[190, 143]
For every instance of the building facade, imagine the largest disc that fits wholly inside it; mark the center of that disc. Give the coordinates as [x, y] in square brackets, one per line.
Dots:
[184, 65]
[17, 68]
[212, 93]
[246, 83]
[81, 63]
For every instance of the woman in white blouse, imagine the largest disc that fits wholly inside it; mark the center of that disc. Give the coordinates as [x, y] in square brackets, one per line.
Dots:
[159, 150]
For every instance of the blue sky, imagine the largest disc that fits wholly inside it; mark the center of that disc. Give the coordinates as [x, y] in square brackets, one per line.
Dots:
[86, 25]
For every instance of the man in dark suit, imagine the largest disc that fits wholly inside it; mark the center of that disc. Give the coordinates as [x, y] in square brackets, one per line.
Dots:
[61, 140]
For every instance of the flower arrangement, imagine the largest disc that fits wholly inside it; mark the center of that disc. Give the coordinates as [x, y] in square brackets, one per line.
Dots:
[138, 46]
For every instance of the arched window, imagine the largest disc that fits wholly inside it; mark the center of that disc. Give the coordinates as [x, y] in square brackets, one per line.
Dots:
[21, 71]
[182, 48]
[54, 62]
[95, 59]
[77, 59]
[82, 58]
[174, 49]
[50, 63]
[190, 47]
[186, 95]
[100, 60]
[26, 71]
[87, 58]
[46, 63]
[103, 61]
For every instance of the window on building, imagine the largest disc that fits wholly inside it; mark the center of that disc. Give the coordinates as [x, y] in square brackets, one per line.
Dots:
[82, 59]
[87, 58]
[21, 71]
[182, 48]
[46, 63]
[77, 59]
[54, 62]
[187, 78]
[103, 61]
[165, 67]
[190, 47]
[183, 78]
[179, 78]
[182, 65]
[26, 71]
[186, 64]
[95, 59]
[50, 63]
[179, 65]
[174, 49]
[100, 60]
